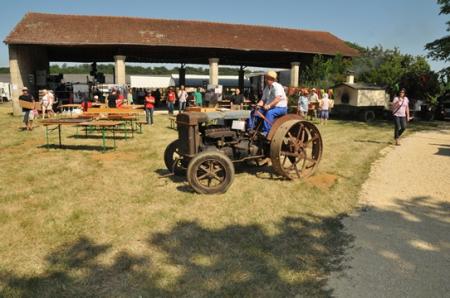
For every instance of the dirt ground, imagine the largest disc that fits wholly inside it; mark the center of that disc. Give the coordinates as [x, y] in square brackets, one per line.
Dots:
[402, 230]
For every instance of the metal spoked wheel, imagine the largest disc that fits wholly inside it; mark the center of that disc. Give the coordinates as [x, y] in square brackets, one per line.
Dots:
[210, 172]
[173, 159]
[296, 149]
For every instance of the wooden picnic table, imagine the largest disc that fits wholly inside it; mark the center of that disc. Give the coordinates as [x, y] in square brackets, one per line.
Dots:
[99, 105]
[58, 122]
[103, 125]
[133, 107]
[125, 118]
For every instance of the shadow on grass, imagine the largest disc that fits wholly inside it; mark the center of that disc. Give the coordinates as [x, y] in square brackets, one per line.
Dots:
[260, 172]
[98, 137]
[236, 260]
[182, 186]
[75, 147]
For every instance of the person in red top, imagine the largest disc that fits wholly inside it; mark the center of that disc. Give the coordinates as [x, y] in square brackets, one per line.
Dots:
[86, 104]
[149, 107]
[171, 98]
[119, 100]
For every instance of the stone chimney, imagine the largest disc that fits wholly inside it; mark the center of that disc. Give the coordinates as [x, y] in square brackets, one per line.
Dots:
[350, 78]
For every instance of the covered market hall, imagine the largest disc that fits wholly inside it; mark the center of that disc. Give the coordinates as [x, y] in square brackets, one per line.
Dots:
[39, 39]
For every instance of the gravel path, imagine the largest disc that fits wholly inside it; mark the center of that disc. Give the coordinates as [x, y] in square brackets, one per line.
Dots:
[402, 231]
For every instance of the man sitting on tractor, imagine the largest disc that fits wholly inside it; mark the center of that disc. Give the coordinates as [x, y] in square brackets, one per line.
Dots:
[273, 103]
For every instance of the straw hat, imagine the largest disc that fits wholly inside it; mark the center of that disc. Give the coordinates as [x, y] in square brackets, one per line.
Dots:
[271, 74]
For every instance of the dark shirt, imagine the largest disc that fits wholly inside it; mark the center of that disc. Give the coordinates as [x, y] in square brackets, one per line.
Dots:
[238, 99]
[210, 99]
[28, 98]
[112, 101]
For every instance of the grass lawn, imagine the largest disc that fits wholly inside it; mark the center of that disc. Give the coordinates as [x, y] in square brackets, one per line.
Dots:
[77, 222]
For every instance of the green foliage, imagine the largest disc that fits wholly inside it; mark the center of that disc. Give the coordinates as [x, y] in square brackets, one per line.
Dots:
[388, 68]
[325, 71]
[394, 70]
[4, 69]
[440, 48]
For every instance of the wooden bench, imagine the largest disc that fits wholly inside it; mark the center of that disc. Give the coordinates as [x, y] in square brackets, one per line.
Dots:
[114, 111]
[140, 123]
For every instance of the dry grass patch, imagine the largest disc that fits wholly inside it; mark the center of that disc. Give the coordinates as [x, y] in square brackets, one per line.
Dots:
[76, 222]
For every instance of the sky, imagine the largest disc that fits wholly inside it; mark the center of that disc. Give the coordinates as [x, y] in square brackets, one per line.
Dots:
[407, 24]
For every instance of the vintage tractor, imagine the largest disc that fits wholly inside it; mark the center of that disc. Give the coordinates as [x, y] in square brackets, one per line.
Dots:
[209, 143]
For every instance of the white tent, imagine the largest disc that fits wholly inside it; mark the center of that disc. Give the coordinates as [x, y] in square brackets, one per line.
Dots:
[200, 80]
[151, 81]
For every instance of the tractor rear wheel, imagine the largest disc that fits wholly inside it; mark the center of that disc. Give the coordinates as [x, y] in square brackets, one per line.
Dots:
[210, 172]
[296, 149]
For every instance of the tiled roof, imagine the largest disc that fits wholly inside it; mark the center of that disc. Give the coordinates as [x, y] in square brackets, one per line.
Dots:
[55, 29]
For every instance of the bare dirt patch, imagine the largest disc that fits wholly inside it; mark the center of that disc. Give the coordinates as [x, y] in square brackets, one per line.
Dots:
[322, 181]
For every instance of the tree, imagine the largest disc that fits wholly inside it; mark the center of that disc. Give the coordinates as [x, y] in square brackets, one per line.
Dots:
[325, 71]
[440, 48]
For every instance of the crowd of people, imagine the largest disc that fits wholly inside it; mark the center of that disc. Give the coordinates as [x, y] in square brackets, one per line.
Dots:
[315, 103]
[273, 103]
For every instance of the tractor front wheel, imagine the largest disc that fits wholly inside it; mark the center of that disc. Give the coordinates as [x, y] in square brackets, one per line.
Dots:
[210, 172]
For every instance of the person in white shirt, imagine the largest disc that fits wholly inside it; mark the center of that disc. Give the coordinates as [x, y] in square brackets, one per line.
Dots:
[324, 109]
[314, 99]
[273, 103]
[47, 103]
[182, 98]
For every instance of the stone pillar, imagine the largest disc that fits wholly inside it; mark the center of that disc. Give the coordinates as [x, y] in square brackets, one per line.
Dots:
[214, 71]
[119, 70]
[24, 61]
[241, 78]
[295, 74]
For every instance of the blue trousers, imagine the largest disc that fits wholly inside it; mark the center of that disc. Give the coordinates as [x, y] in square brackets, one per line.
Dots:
[149, 115]
[400, 126]
[181, 106]
[170, 107]
[271, 115]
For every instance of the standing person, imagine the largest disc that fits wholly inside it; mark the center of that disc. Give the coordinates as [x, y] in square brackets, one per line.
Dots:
[45, 102]
[303, 103]
[112, 98]
[149, 107]
[157, 95]
[51, 102]
[120, 99]
[400, 112]
[314, 101]
[28, 113]
[198, 98]
[130, 96]
[182, 99]
[210, 99]
[237, 101]
[324, 109]
[86, 103]
[273, 103]
[171, 98]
